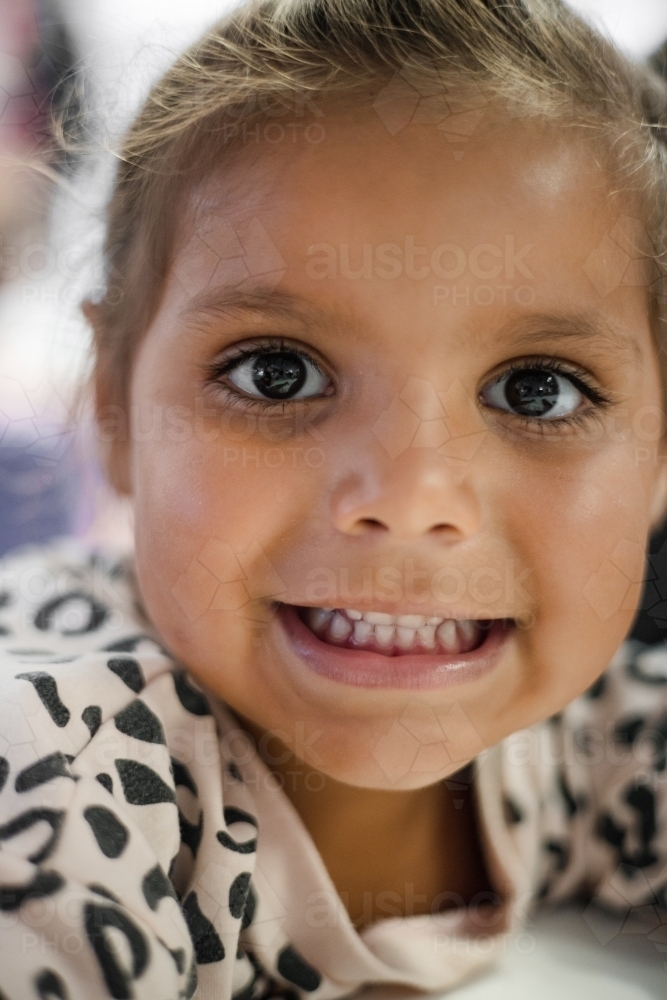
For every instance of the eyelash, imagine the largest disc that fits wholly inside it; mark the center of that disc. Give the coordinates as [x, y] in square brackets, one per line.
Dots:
[215, 371]
[599, 400]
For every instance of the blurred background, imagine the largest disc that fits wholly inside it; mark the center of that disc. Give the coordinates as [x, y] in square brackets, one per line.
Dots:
[98, 58]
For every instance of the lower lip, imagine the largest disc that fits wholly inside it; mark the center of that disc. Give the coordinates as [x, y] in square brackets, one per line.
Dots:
[363, 668]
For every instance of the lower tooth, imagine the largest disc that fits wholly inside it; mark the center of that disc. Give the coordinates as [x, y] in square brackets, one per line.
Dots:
[384, 635]
[427, 636]
[405, 636]
[362, 631]
[340, 627]
[468, 630]
[447, 635]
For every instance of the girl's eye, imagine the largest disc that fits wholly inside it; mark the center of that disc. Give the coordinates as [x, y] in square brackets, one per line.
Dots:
[282, 374]
[534, 392]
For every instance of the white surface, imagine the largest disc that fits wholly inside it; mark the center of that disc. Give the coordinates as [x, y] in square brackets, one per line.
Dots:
[126, 43]
[574, 953]
[637, 26]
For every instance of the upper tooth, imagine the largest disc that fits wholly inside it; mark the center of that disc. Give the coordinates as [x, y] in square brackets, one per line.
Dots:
[447, 635]
[340, 627]
[384, 634]
[354, 615]
[411, 621]
[378, 618]
[319, 618]
[433, 620]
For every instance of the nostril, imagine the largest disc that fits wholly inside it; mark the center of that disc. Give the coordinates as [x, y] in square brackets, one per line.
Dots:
[371, 524]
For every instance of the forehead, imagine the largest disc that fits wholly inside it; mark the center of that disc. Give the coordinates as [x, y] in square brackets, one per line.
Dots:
[355, 160]
[511, 203]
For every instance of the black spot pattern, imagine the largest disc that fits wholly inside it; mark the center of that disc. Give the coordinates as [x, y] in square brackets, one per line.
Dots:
[598, 688]
[234, 771]
[192, 982]
[238, 893]
[511, 811]
[4, 771]
[234, 815]
[46, 769]
[637, 673]
[138, 721]
[296, 969]
[250, 908]
[155, 886]
[641, 799]
[627, 730]
[142, 786]
[182, 776]
[25, 820]
[258, 984]
[192, 700]
[92, 716]
[47, 689]
[111, 835]
[191, 833]
[560, 852]
[101, 890]
[97, 613]
[96, 921]
[45, 883]
[178, 955]
[50, 986]
[105, 780]
[571, 803]
[129, 671]
[126, 645]
[206, 940]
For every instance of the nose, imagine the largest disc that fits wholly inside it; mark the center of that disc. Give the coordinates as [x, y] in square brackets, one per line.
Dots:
[414, 496]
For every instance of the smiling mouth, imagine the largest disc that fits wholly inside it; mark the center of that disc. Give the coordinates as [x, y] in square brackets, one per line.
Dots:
[398, 635]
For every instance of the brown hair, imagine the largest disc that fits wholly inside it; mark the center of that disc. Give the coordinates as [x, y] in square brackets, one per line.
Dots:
[531, 57]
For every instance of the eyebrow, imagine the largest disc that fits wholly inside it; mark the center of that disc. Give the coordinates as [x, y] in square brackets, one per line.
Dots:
[576, 328]
[264, 299]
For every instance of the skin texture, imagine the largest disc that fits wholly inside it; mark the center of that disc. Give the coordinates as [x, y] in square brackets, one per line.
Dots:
[547, 526]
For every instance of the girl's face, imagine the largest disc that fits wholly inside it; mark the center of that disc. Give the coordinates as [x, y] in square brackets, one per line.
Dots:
[388, 378]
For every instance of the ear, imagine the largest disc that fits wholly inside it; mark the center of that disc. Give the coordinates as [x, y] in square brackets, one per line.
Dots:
[658, 510]
[111, 418]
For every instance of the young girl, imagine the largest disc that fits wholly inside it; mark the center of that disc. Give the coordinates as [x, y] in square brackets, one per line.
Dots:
[380, 361]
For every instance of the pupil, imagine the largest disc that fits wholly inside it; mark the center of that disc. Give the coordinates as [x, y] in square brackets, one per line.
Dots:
[279, 374]
[532, 392]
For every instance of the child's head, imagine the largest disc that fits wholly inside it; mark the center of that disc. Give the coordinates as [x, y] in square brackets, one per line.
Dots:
[385, 316]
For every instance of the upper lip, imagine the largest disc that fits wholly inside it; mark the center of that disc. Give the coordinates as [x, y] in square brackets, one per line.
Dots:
[466, 614]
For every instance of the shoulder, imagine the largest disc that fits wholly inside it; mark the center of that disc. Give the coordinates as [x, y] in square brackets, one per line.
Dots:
[66, 591]
[75, 648]
[632, 689]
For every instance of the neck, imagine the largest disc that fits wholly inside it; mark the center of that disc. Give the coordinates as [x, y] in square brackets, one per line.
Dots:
[388, 853]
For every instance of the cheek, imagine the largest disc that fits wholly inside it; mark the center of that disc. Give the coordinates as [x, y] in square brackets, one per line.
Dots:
[582, 528]
[210, 515]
